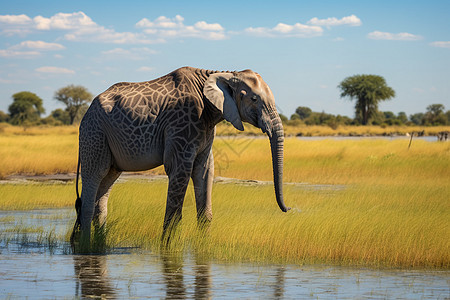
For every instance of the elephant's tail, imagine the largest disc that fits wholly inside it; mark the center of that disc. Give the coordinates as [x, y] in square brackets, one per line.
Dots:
[78, 177]
[77, 225]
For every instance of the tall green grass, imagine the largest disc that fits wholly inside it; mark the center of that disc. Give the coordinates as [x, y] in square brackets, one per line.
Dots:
[360, 225]
[368, 225]
[36, 196]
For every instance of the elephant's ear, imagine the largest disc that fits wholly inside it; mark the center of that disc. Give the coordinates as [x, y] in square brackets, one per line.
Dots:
[219, 91]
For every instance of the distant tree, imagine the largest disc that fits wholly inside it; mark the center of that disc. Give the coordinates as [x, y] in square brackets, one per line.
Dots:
[76, 99]
[379, 118]
[389, 115]
[447, 114]
[417, 119]
[390, 118]
[344, 120]
[50, 121]
[294, 117]
[435, 115]
[4, 117]
[368, 90]
[303, 112]
[402, 117]
[61, 115]
[26, 108]
[313, 119]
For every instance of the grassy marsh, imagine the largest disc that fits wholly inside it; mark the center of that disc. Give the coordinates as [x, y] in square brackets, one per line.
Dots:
[360, 225]
[379, 225]
[393, 210]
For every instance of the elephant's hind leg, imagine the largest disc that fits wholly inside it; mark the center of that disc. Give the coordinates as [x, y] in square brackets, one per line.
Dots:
[96, 162]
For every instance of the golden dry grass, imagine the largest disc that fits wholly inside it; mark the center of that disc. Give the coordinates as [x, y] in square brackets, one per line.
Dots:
[38, 150]
[329, 161]
[50, 150]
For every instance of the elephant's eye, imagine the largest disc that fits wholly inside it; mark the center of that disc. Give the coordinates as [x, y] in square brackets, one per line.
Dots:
[254, 98]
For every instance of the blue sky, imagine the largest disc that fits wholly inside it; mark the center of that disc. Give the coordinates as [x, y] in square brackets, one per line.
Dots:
[303, 49]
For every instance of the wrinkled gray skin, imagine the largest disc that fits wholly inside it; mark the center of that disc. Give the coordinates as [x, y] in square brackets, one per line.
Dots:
[171, 121]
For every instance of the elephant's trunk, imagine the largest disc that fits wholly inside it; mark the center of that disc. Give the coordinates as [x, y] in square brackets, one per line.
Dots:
[277, 146]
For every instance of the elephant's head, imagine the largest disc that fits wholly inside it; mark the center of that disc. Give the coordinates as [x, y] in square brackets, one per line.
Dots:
[245, 97]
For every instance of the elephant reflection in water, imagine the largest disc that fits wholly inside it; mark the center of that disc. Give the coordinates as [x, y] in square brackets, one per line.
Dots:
[280, 276]
[202, 279]
[175, 282]
[174, 278]
[92, 278]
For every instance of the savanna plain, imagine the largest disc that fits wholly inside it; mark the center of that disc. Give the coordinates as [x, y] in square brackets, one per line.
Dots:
[376, 202]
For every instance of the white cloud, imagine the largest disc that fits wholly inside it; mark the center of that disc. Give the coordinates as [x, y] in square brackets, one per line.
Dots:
[441, 44]
[350, 20]
[55, 70]
[116, 51]
[39, 45]
[132, 54]
[312, 29]
[164, 27]
[145, 69]
[15, 24]
[63, 21]
[286, 30]
[403, 36]
[10, 53]
[15, 19]
[202, 25]
[29, 49]
[78, 25]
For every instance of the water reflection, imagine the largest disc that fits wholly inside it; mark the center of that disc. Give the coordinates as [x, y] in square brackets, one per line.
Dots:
[92, 277]
[202, 278]
[279, 284]
[172, 271]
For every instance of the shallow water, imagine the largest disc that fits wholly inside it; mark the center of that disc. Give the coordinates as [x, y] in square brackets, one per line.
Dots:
[36, 271]
[355, 138]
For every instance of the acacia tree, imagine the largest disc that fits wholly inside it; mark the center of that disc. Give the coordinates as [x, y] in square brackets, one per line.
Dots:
[368, 90]
[76, 99]
[303, 111]
[26, 108]
[435, 115]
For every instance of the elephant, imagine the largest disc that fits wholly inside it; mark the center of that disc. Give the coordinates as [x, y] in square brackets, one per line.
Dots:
[169, 121]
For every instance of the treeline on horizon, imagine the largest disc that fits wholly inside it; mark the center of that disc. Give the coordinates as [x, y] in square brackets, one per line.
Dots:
[435, 115]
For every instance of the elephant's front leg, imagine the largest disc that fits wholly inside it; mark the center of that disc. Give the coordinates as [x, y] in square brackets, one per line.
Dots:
[203, 176]
[178, 166]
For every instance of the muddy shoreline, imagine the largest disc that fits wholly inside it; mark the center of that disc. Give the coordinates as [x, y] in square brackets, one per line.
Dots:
[125, 177]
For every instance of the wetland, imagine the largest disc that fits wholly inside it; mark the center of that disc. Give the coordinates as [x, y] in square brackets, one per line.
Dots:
[34, 266]
[370, 218]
